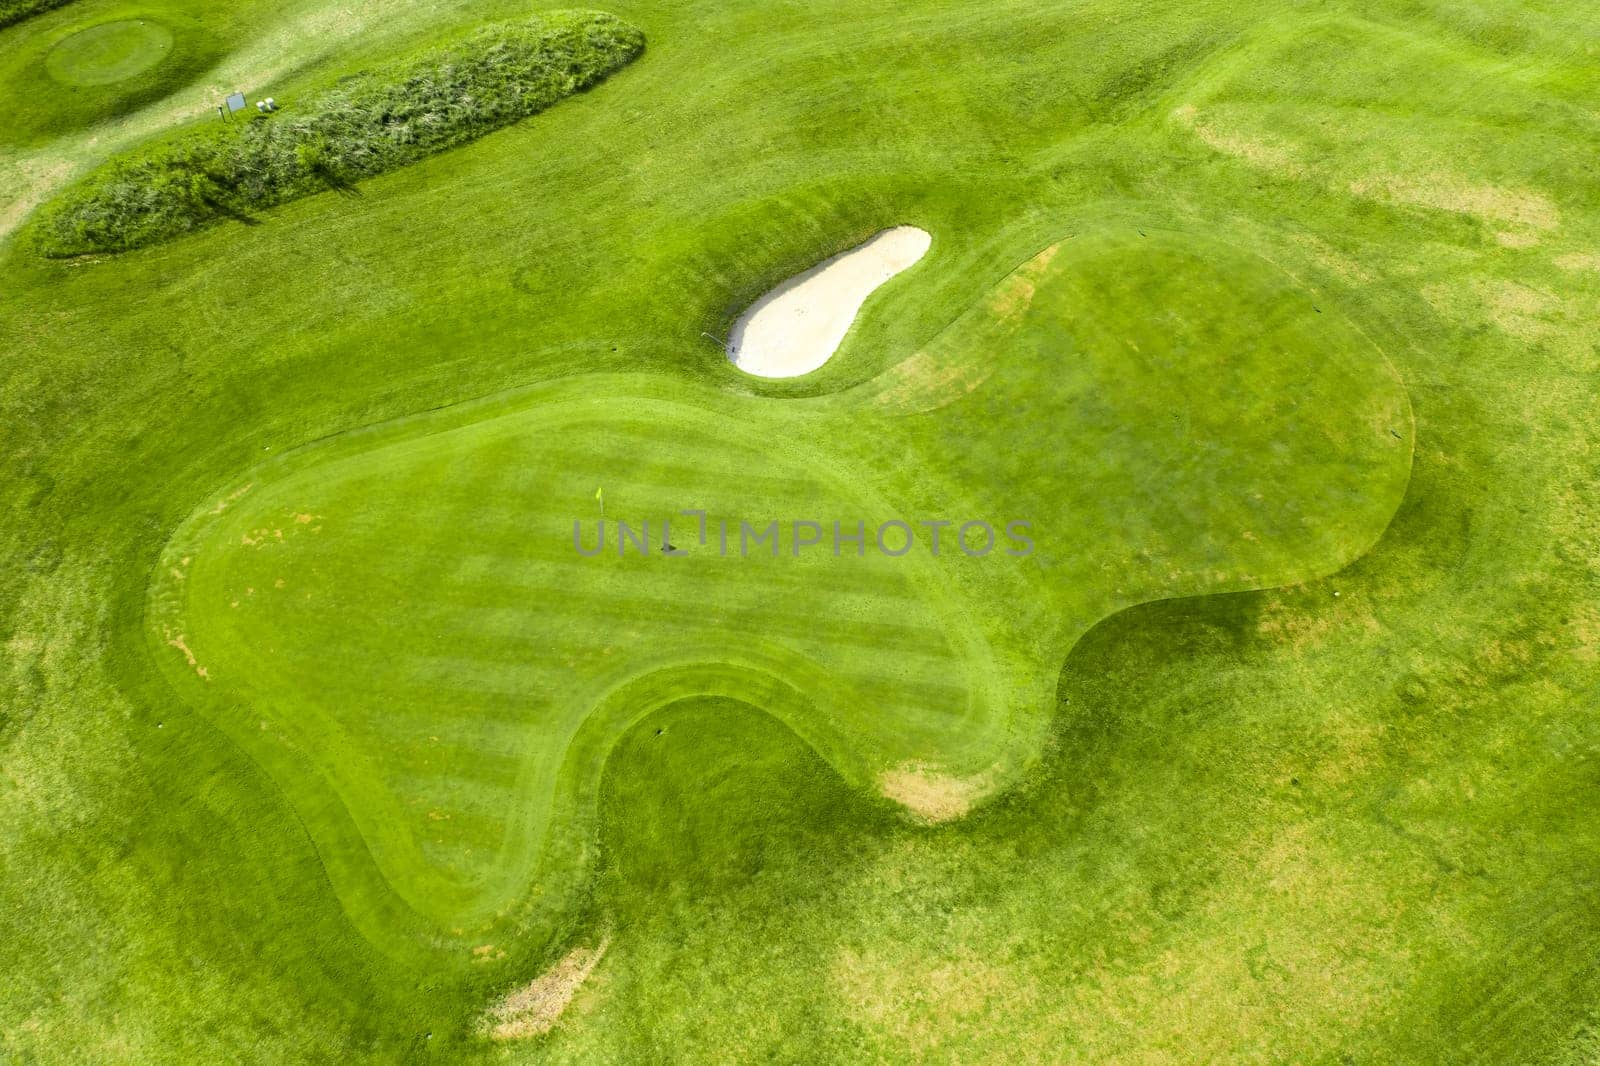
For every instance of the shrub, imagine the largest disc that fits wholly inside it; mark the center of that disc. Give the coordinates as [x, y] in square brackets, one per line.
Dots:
[366, 124]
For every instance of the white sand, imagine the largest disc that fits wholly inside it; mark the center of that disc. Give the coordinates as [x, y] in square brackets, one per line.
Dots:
[798, 326]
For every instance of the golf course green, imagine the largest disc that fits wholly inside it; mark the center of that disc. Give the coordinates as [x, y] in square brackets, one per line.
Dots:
[110, 52]
[1165, 630]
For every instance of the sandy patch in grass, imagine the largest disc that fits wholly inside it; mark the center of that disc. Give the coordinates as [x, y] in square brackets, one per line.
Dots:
[922, 1001]
[1579, 261]
[1528, 211]
[797, 327]
[1259, 153]
[930, 795]
[181, 643]
[534, 1009]
[1511, 307]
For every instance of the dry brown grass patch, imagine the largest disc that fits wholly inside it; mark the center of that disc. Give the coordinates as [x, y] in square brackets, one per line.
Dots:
[181, 643]
[534, 1009]
[922, 1001]
[1261, 154]
[1511, 307]
[930, 380]
[930, 795]
[1522, 208]
[1579, 261]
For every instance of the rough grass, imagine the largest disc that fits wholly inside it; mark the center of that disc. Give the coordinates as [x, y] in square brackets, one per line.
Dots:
[14, 11]
[366, 125]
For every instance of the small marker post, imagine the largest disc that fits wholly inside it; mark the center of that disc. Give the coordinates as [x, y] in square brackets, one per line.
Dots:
[600, 494]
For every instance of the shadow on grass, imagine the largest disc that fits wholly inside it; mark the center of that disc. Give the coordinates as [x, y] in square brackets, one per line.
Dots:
[227, 210]
[336, 181]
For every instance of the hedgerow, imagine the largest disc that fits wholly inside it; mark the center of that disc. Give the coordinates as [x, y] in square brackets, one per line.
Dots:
[17, 10]
[365, 125]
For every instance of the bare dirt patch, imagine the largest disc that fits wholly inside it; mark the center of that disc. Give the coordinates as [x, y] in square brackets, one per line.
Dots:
[930, 795]
[534, 1009]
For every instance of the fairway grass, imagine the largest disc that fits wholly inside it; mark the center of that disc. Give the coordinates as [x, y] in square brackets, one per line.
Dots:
[320, 740]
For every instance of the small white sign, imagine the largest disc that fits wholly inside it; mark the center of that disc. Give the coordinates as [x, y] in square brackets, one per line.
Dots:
[236, 102]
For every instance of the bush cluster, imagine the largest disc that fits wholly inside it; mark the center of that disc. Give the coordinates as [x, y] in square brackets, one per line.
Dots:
[366, 124]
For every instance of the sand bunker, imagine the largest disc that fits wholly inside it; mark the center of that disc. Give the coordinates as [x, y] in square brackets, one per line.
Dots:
[797, 326]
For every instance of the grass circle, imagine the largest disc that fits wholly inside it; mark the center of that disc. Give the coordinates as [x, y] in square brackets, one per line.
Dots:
[109, 53]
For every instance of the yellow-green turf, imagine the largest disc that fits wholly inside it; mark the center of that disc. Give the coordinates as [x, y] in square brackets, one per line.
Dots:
[1275, 322]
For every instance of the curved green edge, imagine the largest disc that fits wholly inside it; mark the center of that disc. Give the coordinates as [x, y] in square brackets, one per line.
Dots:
[369, 897]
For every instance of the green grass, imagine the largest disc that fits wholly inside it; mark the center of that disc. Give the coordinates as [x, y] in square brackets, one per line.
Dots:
[1319, 793]
[465, 627]
[364, 126]
[109, 52]
[96, 64]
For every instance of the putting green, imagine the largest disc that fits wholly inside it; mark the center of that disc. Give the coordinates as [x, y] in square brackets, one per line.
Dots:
[109, 53]
[85, 65]
[414, 619]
